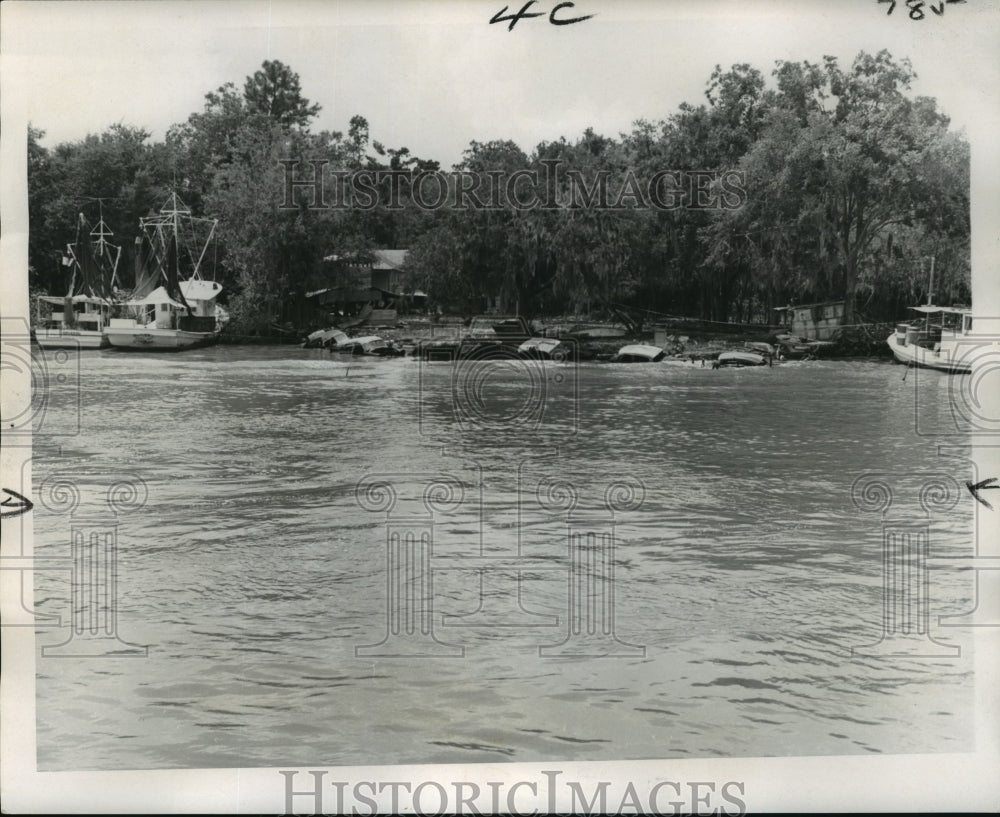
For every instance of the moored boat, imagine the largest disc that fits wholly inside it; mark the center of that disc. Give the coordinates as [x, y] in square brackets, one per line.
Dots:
[639, 353]
[325, 338]
[371, 345]
[737, 359]
[512, 330]
[937, 340]
[81, 322]
[181, 312]
[546, 349]
[792, 347]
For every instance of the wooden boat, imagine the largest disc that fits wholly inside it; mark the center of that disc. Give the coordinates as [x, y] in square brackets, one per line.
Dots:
[792, 347]
[166, 324]
[325, 338]
[736, 359]
[639, 353]
[81, 321]
[79, 325]
[937, 340]
[181, 313]
[511, 330]
[545, 349]
[371, 345]
[603, 332]
[761, 348]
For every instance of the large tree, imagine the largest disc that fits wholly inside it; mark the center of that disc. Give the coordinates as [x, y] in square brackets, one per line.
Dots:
[274, 91]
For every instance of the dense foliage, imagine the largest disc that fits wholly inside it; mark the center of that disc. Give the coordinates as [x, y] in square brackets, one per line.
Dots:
[826, 183]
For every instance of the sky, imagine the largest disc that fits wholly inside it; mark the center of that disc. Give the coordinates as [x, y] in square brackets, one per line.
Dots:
[432, 76]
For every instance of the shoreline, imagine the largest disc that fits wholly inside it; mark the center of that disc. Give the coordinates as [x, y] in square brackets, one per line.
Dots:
[681, 343]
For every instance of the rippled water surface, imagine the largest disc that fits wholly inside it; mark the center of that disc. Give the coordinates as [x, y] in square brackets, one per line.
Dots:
[257, 580]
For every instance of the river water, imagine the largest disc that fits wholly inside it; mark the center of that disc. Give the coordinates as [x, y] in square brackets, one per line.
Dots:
[257, 573]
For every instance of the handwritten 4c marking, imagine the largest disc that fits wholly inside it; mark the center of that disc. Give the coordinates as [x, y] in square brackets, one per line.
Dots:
[554, 17]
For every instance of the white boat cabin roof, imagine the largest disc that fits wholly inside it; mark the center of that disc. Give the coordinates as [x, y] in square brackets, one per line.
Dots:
[191, 290]
[198, 290]
[363, 341]
[157, 296]
[77, 299]
[953, 310]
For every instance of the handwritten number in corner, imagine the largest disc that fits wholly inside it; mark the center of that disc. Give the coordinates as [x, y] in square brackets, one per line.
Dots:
[502, 16]
[916, 7]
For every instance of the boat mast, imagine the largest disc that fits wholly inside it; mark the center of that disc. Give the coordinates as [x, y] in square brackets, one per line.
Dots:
[104, 247]
[930, 289]
[177, 248]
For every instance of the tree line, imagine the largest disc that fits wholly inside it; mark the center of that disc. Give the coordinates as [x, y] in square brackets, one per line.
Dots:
[841, 185]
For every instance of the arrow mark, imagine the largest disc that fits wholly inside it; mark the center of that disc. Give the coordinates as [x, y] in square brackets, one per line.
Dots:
[982, 486]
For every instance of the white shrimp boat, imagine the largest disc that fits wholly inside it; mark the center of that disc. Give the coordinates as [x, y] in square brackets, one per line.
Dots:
[79, 321]
[164, 324]
[79, 325]
[937, 340]
[180, 313]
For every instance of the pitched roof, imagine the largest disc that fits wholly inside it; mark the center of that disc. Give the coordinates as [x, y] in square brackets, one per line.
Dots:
[389, 259]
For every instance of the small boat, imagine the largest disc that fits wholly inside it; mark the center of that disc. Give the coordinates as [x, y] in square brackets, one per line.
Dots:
[512, 330]
[934, 340]
[586, 332]
[545, 349]
[737, 359]
[81, 322]
[181, 313]
[761, 348]
[639, 353]
[792, 347]
[371, 345]
[325, 338]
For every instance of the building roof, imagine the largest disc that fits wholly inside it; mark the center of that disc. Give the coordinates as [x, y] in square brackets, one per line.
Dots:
[931, 309]
[808, 306]
[77, 299]
[389, 259]
[383, 259]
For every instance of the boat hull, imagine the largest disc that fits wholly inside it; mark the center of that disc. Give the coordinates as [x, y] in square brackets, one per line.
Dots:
[740, 359]
[915, 355]
[146, 339]
[71, 339]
